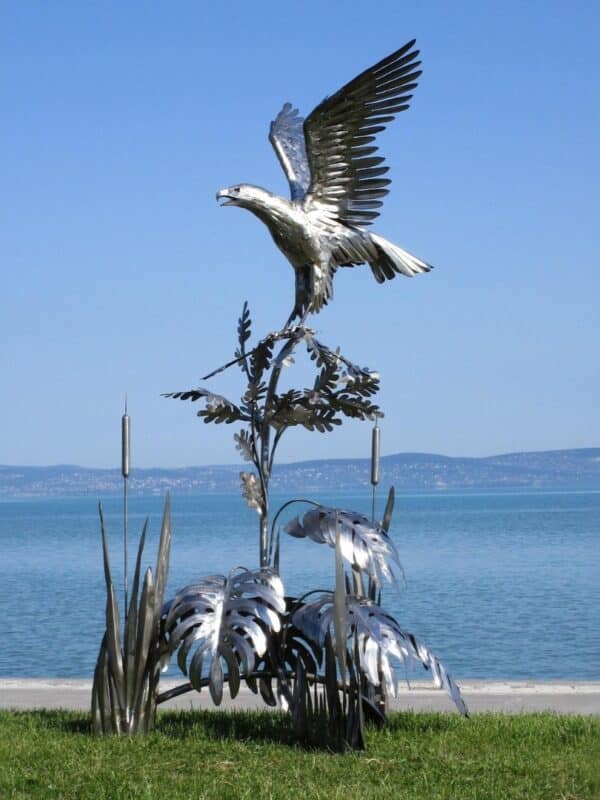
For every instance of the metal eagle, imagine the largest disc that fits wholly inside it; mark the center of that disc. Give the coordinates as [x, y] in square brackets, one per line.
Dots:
[336, 182]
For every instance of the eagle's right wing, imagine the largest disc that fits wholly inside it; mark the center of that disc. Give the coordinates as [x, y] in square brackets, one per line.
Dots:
[287, 137]
[347, 180]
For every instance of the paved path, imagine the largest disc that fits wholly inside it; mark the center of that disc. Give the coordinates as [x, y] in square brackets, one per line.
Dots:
[513, 697]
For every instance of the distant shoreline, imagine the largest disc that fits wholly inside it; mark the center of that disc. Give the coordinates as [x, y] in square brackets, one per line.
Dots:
[569, 470]
[316, 491]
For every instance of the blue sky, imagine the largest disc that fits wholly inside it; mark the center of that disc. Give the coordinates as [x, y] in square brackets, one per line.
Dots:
[121, 273]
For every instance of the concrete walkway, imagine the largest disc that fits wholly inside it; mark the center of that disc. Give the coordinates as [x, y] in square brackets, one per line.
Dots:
[512, 697]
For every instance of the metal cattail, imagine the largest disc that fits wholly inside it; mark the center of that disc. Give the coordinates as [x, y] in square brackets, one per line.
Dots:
[375, 446]
[125, 443]
[125, 466]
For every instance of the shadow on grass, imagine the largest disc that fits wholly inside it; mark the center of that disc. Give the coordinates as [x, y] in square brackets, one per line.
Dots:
[269, 727]
[265, 726]
[276, 727]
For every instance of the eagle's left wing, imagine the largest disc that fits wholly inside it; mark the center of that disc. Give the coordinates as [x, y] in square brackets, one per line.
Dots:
[287, 137]
[346, 175]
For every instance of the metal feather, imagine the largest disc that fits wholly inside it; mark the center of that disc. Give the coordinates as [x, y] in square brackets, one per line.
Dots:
[287, 137]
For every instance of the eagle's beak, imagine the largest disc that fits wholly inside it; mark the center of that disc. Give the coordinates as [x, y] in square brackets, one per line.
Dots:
[224, 199]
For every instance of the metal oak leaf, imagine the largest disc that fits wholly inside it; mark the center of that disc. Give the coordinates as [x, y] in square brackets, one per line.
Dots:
[243, 443]
[252, 491]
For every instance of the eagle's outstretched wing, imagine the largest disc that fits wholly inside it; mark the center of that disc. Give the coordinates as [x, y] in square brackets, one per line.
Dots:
[287, 137]
[345, 175]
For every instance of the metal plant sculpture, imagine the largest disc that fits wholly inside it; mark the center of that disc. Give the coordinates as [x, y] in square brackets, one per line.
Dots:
[328, 656]
[127, 674]
[328, 659]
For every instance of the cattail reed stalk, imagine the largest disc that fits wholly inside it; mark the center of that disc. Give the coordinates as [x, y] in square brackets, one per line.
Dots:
[125, 465]
[375, 448]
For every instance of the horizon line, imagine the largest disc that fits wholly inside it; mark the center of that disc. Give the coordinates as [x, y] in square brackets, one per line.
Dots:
[311, 460]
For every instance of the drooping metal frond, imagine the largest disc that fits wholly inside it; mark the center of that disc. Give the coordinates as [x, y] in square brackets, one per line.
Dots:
[224, 619]
[380, 639]
[365, 544]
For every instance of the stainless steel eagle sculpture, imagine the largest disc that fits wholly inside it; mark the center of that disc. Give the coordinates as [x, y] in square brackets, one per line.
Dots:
[329, 657]
[336, 182]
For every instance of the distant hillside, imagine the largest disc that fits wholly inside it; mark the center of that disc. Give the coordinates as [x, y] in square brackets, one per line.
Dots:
[545, 469]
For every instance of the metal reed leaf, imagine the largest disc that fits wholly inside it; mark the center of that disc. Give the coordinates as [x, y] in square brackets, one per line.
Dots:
[339, 604]
[163, 556]
[389, 510]
[132, 621]
[113, 636]
[126, 678]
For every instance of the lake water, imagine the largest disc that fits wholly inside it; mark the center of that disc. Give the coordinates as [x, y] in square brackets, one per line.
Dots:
[499, 584]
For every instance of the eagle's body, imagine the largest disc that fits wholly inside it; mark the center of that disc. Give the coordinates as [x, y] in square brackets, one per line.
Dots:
[335, 182]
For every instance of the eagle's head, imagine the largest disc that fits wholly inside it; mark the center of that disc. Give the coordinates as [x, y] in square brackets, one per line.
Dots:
[244, 195]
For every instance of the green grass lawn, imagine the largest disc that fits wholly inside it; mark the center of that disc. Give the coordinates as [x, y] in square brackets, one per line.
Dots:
[215, 754]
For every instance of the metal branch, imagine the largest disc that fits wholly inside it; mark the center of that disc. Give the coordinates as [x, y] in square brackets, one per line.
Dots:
[184, 688]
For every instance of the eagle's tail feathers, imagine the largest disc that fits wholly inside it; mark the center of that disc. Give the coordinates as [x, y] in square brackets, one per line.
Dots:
[392, 260]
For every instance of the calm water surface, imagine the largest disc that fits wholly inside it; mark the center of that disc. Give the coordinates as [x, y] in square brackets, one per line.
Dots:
[499, 585]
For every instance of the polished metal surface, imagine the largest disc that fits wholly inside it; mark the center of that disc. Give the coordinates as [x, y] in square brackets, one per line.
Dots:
[364, 544]
[326, 656]
[380, 639]
[375, 454]
[336, 182]
[127, 674]
[125, 442]
[125, 467]
[224, 620]
[341, 390]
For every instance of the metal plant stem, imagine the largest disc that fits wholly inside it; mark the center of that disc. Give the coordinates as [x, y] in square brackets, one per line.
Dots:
[267, 453]
[125, 465]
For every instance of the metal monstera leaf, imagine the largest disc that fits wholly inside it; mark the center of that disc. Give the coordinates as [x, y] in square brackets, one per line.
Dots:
[364, 544]
[224, 619]
[380, 638]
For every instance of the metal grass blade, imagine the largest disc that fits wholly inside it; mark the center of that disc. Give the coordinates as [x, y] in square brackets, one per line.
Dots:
[164, 549]
[113, 638]
[132, 622]
[389, 510]
[339, 607]
[125, 688]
